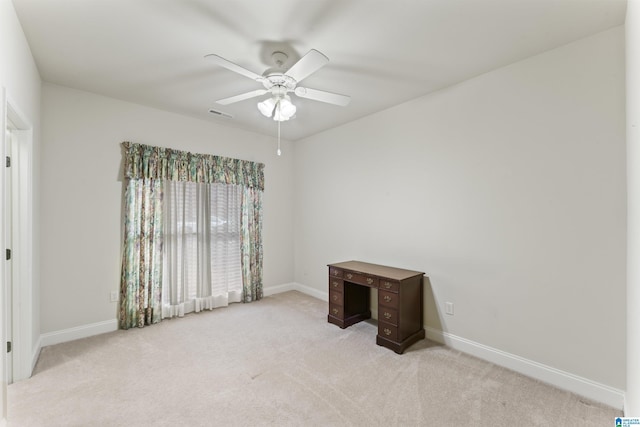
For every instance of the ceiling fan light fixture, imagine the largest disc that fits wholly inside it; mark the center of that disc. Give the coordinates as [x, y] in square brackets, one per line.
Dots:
[280, 108]
[267, 106]
[284, 109]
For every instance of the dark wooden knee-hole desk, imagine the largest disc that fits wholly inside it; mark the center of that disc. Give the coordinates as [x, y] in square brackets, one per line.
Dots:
[399, 301]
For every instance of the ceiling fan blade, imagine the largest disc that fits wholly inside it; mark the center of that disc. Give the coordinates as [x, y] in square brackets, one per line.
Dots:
[307, 65]
[241, 97]
[233, 67]
[321, 95]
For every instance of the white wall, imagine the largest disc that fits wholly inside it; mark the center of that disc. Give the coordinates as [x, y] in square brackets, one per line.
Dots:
[632, 26]
[82, 192]
[508, 190]
[21, 81]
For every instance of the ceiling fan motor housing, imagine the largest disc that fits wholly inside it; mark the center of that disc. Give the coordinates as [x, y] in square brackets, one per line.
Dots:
[279, 79]
[275, 77]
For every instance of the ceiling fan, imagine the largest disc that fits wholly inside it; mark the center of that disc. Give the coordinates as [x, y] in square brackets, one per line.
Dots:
[279, 82]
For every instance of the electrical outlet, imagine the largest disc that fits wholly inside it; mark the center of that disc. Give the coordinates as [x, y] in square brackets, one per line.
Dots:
[114, 296]
[448, 308]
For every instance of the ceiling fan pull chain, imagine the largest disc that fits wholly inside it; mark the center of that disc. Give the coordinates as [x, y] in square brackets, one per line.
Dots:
[279, 152]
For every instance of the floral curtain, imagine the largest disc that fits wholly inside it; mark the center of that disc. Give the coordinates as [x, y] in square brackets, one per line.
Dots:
[144, 161]
[146, 168]
[251, 244]
[141, 277]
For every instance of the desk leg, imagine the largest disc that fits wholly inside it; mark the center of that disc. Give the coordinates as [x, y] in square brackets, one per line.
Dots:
[402, 346]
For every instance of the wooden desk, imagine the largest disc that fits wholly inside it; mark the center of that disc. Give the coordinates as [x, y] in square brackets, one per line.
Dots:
[400, 299]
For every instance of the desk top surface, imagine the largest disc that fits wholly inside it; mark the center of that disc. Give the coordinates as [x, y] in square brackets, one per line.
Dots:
[377, 270]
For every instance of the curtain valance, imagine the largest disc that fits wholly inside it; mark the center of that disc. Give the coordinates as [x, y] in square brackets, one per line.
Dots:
[149, 162]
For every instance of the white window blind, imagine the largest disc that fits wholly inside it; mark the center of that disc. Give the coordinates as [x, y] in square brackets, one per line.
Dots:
[201, 266]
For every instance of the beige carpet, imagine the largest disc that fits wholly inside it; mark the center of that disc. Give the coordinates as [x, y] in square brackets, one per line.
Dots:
[278, 362]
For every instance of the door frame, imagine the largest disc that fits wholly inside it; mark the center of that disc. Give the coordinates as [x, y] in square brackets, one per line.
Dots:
[24, 351]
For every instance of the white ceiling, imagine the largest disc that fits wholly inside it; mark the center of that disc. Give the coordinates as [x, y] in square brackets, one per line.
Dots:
[382, 52]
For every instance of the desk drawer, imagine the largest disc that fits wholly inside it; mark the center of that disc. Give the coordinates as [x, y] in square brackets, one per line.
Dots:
[336, 284]
[336, 297]
[388, 331]
[361, 279]
[389, 286]
[336, 311]
[335, 272]
[388, 299]
[389, 315]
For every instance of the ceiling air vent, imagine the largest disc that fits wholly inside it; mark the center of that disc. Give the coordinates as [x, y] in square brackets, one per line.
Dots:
[221, 114]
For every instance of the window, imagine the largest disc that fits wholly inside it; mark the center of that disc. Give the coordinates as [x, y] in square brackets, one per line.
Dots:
[192, 233]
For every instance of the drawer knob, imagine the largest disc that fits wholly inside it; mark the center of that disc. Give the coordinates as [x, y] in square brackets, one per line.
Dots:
[387, 331]
[387, 285]
[335, 311]
[349, 275]
[387, 298]
[387, 315]
[369, 280]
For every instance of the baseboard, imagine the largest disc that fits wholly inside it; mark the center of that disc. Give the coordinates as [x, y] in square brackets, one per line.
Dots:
[565, 380]
[57, 337]
[36, 354]
[272, 290]
[558, 378]
[624, 407]
[322, 295]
